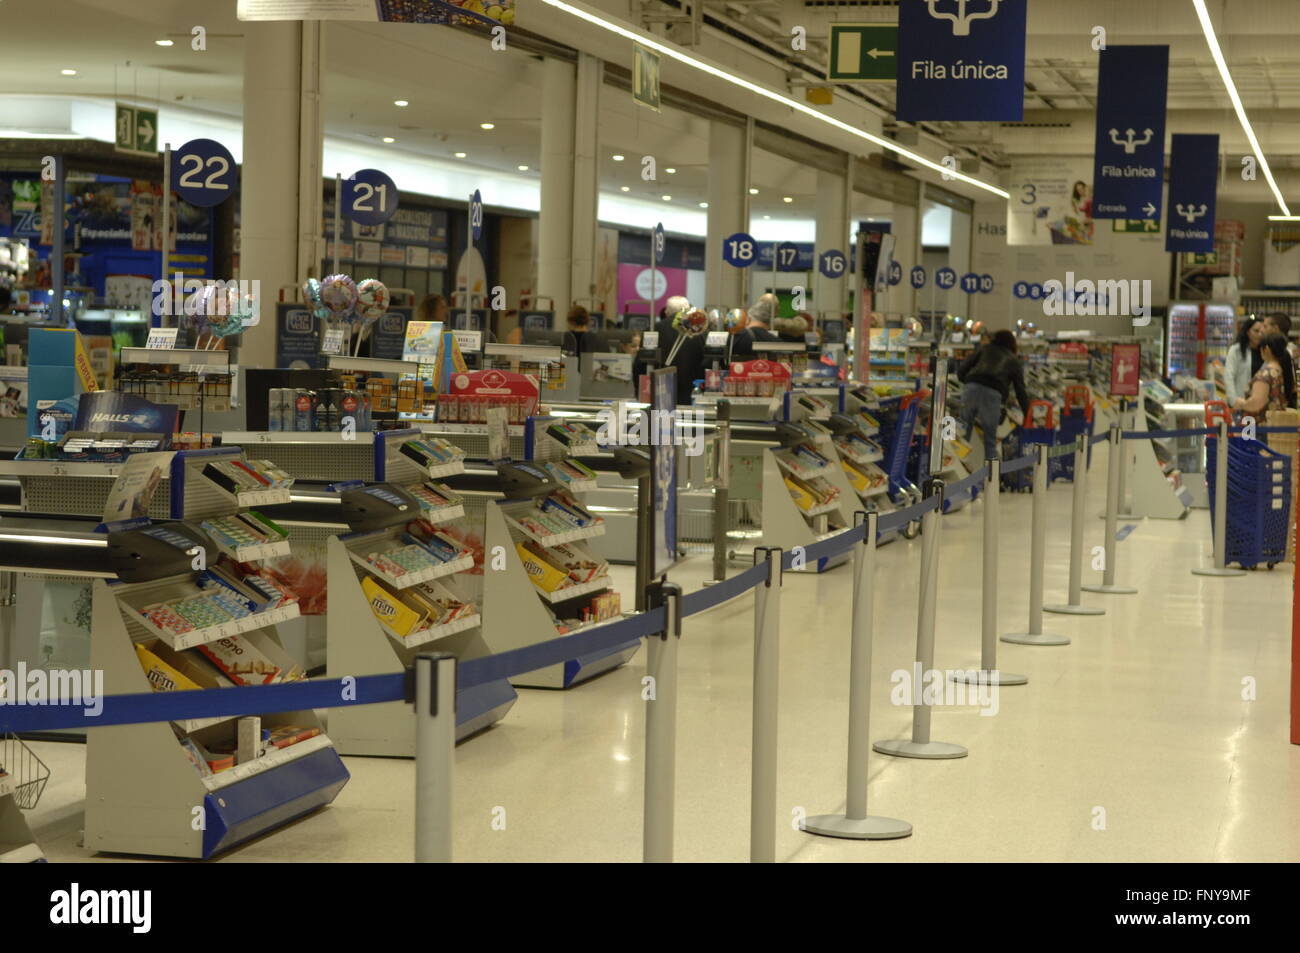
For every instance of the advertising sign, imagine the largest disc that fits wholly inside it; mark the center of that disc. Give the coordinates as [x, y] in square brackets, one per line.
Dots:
[1129, 154]
[961, 60]
[1051, 202]
[1125, 361]
[1193, 180]
[297, 337]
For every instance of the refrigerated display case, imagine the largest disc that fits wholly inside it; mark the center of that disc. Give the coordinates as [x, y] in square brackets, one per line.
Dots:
[1200, 333]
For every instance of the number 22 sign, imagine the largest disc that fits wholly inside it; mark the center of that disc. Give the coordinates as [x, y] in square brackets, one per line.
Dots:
[369, 197]
[203, 172]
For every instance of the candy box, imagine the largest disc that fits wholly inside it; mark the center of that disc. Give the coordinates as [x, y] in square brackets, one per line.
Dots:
[250, 659]
[540, 572]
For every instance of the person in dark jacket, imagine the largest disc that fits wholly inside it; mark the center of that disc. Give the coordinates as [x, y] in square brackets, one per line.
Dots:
[760, 315]
[987, 377]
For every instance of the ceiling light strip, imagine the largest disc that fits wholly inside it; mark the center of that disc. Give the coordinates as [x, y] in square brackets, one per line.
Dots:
[704, 66]
[1212, 41]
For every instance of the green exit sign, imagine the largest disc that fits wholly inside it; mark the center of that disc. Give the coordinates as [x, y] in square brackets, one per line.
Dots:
[863, 53]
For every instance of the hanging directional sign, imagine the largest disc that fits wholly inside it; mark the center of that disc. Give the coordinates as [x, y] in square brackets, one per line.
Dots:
[203, 172]
[986, 284]
[1129, 153]
[476, 214]
[787, 256]
[136, 129]
[961, 61]
[1020, 289]
[739, 250]
[970, 282]
[918, 277]
[1193, 179]
[832, 264]
[945, 278]
[895, 271]
[660, 241]
[369, 197]
[863, 53]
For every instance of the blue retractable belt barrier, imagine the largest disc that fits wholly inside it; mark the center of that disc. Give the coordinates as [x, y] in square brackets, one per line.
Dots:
[892, 522]
[206, 703]
[967, 484]
[841, 542]
[1098, 437]
[717, 594]
[1019, 463]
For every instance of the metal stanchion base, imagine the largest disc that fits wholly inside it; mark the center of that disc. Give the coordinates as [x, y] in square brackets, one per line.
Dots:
[1216, 571]
[1067, 608]
[867, 828]
[1035, 638]
[929, 750]
[1112, 589]
[985, 677]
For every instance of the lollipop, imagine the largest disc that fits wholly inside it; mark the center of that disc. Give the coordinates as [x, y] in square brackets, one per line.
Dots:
[339, 294]
[735, 320]
[372, 299]
[311, 292]
[694, 321]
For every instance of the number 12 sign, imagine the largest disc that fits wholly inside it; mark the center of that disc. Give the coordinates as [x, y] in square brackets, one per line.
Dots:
[369, 197]
[203, 172]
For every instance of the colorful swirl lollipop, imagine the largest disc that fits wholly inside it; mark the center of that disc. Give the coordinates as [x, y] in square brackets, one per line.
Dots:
[735, 320]
[339, 294]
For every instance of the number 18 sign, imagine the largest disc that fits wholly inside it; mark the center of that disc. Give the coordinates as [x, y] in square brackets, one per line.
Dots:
[369, 197]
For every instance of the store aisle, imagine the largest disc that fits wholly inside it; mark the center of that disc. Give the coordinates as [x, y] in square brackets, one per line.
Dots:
[1131, 744]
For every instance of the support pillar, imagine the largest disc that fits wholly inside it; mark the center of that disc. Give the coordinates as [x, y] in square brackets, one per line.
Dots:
[833, 205]
[280, 181]
[729, 165]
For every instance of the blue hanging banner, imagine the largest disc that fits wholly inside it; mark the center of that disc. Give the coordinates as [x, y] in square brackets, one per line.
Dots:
[1193, 180]
[961, 60]
[1129, 163]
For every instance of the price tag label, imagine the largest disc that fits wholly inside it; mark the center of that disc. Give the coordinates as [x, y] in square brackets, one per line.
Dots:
[471, 341]
[161, 339]
[333, 343]
[650, 339]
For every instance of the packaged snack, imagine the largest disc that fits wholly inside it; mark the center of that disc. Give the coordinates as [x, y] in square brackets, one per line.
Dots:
[241, 661]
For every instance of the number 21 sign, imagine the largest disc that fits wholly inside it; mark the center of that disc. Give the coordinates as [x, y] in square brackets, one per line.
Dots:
[369, 197]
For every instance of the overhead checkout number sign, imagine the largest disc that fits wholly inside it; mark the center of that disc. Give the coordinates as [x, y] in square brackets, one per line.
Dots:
[961, 60]
[1129, 163]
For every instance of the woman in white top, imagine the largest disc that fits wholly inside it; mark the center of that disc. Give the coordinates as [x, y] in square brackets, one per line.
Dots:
[1243, 360]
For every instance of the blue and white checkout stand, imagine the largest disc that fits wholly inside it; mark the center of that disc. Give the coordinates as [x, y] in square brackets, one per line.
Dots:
[143, 794]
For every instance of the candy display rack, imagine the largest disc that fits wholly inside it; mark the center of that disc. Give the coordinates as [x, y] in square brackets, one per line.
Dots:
[378, 622]
[207, 627]
[537, 539]
[807, 496]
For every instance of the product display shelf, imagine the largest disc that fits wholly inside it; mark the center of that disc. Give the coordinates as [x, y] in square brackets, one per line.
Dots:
[358, 643]
[511, 620]
[787, 525]
[360, 545]
[202, 379]
[144, 789]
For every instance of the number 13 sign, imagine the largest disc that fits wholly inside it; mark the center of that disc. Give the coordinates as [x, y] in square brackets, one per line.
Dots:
[369, 197]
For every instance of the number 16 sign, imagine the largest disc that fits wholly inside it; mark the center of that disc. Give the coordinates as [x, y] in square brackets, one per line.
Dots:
[369, 197]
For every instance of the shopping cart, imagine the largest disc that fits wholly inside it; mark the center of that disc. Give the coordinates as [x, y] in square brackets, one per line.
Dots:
[1259, 501]
[22, 773]
[1039, 427]
[1076, 420]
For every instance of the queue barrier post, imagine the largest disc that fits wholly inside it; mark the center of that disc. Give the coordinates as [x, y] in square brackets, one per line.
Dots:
[721, 490]
[1074, 606]
[855, 823]
[988, 672]
[920, 745]
[1220, 567]
[1037, 546]
[767, 674]
[435, 743]
[1113, 492]
[661, 726]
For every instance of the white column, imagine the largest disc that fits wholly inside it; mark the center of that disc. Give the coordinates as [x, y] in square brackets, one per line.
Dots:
[280, 182]
[907, 252]
[729, 151]
[586, 163]
[556, 218]
[833, 205]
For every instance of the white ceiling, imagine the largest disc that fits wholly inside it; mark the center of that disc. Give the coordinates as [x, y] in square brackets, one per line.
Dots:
[453, 83]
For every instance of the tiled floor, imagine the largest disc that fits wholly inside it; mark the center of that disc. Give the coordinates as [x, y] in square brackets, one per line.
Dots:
[1132, 743]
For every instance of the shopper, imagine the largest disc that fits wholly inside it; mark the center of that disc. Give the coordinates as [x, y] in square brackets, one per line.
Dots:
[987, 377]
[434, 308]
[579, 322]
[1243, 359]
[1279, 322]
[760, 315]
[1273, 387]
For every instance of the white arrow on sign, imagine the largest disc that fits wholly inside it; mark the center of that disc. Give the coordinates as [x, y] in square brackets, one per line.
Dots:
[876, 54]
[146, 131]
[1149, 209]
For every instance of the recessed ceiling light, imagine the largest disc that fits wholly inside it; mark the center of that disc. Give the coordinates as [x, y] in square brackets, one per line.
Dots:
[522, 168]
[766, 217]
[459, 155]
[487, 125]
[671, 171]
[787, 199]
[624, 188]
[400, 102]
[753, 191]
[389, 139]
[68, 72]
[617, 158]
[667, 198]
[163, 42]
[704, 205]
